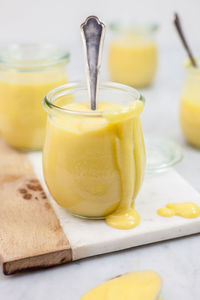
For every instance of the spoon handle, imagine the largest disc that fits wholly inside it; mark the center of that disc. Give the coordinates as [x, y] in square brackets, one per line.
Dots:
[179, 29]
[92, 31]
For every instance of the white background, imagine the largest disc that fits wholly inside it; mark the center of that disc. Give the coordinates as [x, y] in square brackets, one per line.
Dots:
[59, 20]
[177, 261]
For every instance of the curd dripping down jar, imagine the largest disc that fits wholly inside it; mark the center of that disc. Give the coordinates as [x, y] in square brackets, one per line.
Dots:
[93, 160]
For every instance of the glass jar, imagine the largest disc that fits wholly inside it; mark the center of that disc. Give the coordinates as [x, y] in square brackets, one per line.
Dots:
[132, 57]
[190, 106]
[93, 161]
[27, 73]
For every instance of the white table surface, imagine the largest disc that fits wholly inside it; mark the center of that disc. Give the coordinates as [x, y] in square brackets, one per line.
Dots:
[177, 261]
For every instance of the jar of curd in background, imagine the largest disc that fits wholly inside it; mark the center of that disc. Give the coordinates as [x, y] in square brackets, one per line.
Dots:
[132, 57]
[190, 105]
[94, 161]
[27, 73]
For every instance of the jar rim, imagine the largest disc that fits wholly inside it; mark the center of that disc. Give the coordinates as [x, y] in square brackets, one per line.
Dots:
[66, 89]
[32, 56]
[134, 28]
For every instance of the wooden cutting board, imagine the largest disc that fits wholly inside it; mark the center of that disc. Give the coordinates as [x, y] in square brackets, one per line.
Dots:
[36, 233]
[30, 233]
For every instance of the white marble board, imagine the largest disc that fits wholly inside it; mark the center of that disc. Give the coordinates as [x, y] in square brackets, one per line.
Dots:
[92, 237]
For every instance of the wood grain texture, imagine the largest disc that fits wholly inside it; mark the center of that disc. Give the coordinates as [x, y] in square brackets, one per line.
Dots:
[30, 233]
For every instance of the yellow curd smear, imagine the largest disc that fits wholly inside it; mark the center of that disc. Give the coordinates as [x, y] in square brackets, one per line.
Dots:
[138, 285]
[131, 167]
[132, 60]
[94, 167]
[22, 118]
[124, 219]
[185, 210]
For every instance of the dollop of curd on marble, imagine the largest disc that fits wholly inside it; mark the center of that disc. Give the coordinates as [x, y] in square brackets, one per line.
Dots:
[185, 210]
[138, 285]
[94, 167]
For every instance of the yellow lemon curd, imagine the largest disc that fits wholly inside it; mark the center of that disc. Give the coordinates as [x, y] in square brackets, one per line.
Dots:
[185, 210]
[22, 119]
[132, 60]
[138, 285]
[94, 166]
[190, 107]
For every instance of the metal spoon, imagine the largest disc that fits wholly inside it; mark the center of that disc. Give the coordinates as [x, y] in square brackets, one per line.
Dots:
[92, 31]
[179, 29]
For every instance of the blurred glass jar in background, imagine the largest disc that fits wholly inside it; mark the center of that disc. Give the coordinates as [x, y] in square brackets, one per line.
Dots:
[27, 73]
[190, 105]
[132, 57]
